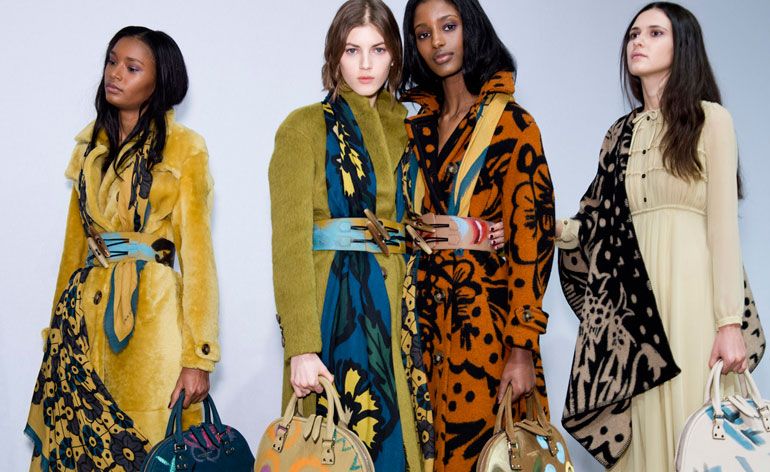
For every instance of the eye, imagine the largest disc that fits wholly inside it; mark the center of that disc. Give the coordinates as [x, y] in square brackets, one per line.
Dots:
[380, 50]
[450, 27]
[656, 33]
[633, 35]
[133, 69]
[111, 61]
[350, 51]
[423, 35]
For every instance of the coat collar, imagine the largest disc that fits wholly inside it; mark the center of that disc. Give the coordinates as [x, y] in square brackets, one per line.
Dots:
[501, 82]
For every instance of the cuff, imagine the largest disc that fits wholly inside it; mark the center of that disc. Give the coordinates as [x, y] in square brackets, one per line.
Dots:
[202, 356]
[525, 327]
[728, 321]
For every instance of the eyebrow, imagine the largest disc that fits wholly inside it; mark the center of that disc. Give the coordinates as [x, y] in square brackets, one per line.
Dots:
[129, 59]
[636, 28]
[381, 43]
[443, 18]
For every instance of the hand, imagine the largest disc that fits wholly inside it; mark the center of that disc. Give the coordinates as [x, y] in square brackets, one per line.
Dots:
[559, 229]
[305, 369]
[519, 371]
[730, 347]
[497, 235]
[195, 383]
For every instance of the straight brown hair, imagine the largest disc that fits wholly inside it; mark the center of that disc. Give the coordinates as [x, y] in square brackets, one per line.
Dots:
[352, 14]
[691, 81]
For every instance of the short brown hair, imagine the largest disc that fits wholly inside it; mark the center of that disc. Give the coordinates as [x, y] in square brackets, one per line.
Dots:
[352, 14]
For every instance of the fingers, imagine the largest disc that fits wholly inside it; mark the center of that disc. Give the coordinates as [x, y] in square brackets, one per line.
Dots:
[496, 235]
[175, 393]
[504, 382]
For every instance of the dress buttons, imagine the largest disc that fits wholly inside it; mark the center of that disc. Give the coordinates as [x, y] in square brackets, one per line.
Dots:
[438, 357]
[205, 349]
[97, 297]
[452, 168]
[438, 296]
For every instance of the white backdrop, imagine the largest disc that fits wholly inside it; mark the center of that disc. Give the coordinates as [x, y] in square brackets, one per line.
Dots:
[250, 64]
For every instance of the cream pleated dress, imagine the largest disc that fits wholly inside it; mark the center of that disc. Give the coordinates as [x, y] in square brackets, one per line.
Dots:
[688, 236]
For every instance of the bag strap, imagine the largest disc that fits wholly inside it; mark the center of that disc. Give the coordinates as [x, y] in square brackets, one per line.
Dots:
[211, 414]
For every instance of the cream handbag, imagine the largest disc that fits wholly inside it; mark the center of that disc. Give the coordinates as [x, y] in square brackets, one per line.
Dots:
[297, 443]
[531, 445]
[736, 438]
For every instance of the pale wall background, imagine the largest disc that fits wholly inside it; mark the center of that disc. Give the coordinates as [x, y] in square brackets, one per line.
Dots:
[250, 64]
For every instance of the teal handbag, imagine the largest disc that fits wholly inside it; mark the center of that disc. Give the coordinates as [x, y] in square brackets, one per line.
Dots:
[209, 446]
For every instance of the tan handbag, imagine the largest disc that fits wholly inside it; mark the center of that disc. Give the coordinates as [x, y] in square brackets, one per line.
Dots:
[300, 443]
[531, 445]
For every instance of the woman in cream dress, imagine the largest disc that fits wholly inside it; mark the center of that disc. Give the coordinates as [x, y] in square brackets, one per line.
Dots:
[684, 205]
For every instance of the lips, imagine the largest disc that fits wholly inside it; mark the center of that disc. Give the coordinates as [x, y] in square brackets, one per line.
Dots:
[112, 88]
[442, 57]
[637, 55]
[365, 79]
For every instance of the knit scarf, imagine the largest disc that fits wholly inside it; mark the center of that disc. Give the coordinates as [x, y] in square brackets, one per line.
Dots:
[622, 349]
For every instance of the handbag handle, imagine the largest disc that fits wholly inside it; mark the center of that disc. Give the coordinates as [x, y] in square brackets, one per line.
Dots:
[535, 421]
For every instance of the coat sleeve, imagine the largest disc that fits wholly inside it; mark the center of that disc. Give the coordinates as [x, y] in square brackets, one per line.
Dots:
[722, 221]
[291, 202]
[528, 216]
[200, 293]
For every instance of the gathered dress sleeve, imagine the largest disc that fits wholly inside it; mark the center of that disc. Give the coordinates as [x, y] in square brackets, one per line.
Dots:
[721, 152]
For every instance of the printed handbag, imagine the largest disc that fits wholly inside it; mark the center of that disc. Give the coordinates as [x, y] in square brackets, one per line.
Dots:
[531, 445]
[736, 438]
[209, 446]
[313, 443]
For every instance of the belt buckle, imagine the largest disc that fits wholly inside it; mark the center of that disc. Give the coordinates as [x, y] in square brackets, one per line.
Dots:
[418, 239]
[377, 238]
[98, 248]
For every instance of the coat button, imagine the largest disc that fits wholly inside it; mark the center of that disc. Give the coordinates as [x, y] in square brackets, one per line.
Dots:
[205, 349]
[527, 315]
[384, 274]
[438, 358]
[439, 296]
[452, 168]
[97, 297]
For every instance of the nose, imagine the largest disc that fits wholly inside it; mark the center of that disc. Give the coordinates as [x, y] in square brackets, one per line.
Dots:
[366, 62]
[114, 73]
[438, 40]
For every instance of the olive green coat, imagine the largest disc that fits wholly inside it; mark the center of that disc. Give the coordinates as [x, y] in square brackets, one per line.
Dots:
[298, 197]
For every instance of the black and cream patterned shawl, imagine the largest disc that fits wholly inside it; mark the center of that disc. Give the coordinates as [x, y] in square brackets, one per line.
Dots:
[622, 349]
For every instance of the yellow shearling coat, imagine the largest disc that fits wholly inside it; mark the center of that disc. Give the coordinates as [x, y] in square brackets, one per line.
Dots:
[176, 318]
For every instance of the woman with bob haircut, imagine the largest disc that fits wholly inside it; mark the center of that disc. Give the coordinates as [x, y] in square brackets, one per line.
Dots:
[338, 246]
[127, 332]
[654, 252]
[475, 314]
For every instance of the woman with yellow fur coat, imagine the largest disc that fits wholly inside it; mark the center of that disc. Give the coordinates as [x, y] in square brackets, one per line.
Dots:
[128, 332]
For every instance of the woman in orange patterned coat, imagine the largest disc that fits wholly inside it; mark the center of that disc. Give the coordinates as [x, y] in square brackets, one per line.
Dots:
[478, 312]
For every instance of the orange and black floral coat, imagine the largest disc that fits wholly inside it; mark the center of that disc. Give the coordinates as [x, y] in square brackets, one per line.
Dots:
[472, 306]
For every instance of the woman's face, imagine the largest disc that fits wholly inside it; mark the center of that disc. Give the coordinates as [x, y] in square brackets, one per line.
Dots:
[438, 32]
[129, 75]
[650, 49]
[366, 61]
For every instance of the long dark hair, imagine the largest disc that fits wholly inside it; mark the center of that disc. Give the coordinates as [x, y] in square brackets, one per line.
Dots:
[483, 53]
[171, 84]
[691, 80]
